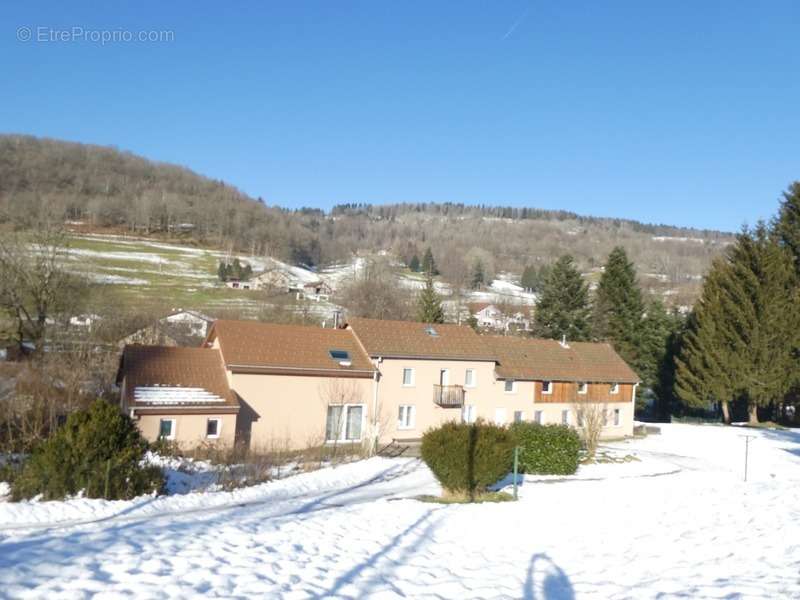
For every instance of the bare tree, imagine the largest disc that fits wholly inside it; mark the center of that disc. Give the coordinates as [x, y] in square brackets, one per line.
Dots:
[374, 293]
[591, 418]
[35, 285]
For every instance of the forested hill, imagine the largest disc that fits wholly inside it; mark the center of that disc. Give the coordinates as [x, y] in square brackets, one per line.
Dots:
[106, 187]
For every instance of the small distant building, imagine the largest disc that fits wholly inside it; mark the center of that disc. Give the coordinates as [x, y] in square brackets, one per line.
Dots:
[196, 322]
[315, 290]
[86, 321]
[184, 328]
[490, 316]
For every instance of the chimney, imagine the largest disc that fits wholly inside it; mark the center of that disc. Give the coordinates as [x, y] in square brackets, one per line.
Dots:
[563, 342]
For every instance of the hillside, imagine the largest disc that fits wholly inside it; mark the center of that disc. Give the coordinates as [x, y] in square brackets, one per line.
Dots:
[108, 189]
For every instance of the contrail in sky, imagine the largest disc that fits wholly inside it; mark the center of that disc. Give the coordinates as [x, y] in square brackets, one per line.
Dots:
[517, 22]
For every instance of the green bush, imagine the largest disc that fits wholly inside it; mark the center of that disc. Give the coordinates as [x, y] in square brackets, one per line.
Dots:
[98, 450]
[467, 458]
[547, 449]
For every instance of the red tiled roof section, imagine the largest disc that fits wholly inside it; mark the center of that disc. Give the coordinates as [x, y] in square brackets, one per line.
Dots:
[288, 347]
[410, 339]
[476, 307]
[548, 360]
[148, 366]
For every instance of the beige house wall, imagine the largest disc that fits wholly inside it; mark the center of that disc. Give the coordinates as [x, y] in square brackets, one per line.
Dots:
[484, 396]
[290, 411]
[190, 430]
[552, 413]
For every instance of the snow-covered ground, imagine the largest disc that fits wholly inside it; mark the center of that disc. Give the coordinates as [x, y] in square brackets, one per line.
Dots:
[679, 522]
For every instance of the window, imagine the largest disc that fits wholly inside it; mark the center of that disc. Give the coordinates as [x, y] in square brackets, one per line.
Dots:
[616, 417]
[615, 388]
[405, 417]
[344, 423]
[565, 417]
[538, 416]
[212, 428]
[605, 418]
[509, 386]
[547, 387]
[339, 354]
[431, 331]
[580, 418]
[444, 377]
[500, 416]
[166, 429]
[469, 378]
[469, 413]
[583, 387]
[519, 416]
[408, 377]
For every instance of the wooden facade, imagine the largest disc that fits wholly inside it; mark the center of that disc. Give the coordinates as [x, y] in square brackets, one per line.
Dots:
[567, 392]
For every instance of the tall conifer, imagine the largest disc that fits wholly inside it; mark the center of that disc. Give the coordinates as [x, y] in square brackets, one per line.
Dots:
[562, 308]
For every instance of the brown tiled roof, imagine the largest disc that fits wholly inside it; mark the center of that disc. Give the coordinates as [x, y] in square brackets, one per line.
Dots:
[476, 307]
[409, 339]
[149, 366]
[548, 360]
[271, 347]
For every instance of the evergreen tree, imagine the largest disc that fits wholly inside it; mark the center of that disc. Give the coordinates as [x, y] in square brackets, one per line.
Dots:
[563, 305]
[533, 278]
[247, 272]
[619, 308]
[657, 345]
[429, 304]
[744, 333]
[478, 277]
[414, 264]
[700, 376]
[787, 224]
[222, 271]
[236, 269]
[428, 263]
[666, 401]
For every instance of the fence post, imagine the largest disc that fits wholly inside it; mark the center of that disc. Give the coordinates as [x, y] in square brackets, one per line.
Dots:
[108, 477]
[516, 469]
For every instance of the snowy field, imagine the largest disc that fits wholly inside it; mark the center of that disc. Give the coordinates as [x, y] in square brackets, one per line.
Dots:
[678, 523]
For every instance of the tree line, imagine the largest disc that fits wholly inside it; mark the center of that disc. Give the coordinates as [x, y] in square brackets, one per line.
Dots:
[104, 188]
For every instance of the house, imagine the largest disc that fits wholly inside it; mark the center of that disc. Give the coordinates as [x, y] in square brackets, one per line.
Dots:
[490, 316]
[315, 290]
[377, 381]
[556, 380]
[178, 394]
[179, 328]
[195, 322]
[429, 374]
[298, 386]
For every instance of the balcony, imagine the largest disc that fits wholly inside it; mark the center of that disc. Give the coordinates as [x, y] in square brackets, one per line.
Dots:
[448, 396]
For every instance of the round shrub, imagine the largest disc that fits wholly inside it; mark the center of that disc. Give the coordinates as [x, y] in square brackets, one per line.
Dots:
[547, 449]
[98, 450]
[468, 457]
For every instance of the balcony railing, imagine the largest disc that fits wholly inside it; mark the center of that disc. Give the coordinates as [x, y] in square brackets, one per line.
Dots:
[448, 396]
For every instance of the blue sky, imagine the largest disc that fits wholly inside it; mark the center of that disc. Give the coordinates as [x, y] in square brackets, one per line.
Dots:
[672, 112]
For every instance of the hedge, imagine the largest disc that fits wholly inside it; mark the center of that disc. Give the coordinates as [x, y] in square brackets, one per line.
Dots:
[468, 457]
[97, 451]
[547, 449]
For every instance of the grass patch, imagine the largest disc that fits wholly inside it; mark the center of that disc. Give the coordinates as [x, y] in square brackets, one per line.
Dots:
[465, 499]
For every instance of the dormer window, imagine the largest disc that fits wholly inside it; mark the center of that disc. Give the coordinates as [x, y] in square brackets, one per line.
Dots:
[431, 331]
[339, 354]
[583, 387]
